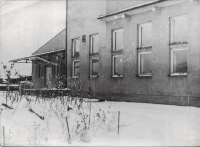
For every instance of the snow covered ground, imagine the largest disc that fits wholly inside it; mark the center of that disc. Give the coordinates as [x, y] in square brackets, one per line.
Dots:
[140, 124]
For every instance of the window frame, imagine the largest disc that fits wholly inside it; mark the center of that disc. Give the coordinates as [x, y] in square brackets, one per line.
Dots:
[114, 39]
[143, 49]
[113, 66]
[73, 68]
[140, 33]
[172, 20]
[177, 46]
[91, 67]
[91, 51]
[41, 75]
[139, 63]
[73, 47]
[172, 50]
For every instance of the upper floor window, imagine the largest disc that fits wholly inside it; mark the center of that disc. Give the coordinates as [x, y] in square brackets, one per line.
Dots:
[94, 44]
[145, 34]
[75, 47]
[179, 27]
[117, 43]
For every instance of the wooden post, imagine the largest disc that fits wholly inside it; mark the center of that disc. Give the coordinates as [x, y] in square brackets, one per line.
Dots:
[90, 112]
[118, 120]
[4, 137]
[68, 128]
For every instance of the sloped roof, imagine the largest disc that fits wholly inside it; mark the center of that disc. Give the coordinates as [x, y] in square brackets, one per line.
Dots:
[55, 44]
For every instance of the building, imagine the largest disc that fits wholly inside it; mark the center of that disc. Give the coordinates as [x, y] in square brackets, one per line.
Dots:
[48, 63]
[136, 51]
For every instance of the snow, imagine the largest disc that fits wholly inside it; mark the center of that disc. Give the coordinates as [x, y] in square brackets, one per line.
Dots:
[141, 124]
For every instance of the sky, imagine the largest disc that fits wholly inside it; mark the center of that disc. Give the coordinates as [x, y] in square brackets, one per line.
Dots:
[25, 26]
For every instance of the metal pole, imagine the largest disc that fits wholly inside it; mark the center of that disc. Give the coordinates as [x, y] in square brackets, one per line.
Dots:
[66, 39]
[4, 142]
[118, 120]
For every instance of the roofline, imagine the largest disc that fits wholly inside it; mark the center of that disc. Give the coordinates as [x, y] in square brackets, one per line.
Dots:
[32, 58]
[130, 9]
[48, 41]
[136, 8]
[60, 50]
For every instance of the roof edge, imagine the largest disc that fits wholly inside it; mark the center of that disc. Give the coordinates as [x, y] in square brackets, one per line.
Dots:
[48, 41]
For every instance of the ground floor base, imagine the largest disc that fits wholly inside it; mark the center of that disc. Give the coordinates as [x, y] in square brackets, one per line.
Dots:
[154, 99]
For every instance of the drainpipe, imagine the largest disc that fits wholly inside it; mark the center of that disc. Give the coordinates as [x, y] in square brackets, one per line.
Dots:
[66, 41]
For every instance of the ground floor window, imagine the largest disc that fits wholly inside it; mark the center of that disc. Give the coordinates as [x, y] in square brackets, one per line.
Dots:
[117, 68]
[94, 67]
[179, 61]
[75, 69]
[145, 61]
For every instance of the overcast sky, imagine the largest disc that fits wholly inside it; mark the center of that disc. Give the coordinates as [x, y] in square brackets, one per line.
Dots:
[27, 25]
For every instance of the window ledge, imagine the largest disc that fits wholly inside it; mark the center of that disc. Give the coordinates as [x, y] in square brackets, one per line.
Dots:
[178, 45]
[115, 76]
[144, 75]
[75, 77]
[93, 54]
[117, 51]
[145, 48]
[178, 74]
[93, 76]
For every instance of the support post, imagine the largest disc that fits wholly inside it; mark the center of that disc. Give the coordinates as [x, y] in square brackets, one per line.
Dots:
[118, 120]
[68, 128]
[4, 142]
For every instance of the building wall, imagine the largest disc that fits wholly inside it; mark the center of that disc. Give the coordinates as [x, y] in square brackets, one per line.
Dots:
[160, 88]
[83, 20]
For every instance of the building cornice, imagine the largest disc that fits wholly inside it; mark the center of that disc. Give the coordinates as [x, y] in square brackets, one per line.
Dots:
[150, 6]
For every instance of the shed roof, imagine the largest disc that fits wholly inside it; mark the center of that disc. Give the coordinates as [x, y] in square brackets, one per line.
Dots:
[57, 43]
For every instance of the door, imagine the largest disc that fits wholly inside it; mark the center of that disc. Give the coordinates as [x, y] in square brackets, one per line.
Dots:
[49, 76]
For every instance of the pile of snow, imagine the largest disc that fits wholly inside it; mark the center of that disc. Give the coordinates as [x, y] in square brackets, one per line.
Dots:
[140, 124]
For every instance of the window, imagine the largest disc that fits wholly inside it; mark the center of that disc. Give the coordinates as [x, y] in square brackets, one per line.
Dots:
[94, 44]
[117, 40]
[94, 55]
[75, 47]
[145, 49]
[62, 69]
[75, 57]
[179, 29]
[94, 67]
[40, 71]
[117, 66]
[75, 71]
[178, 45]
[145, 63]
[117, 53]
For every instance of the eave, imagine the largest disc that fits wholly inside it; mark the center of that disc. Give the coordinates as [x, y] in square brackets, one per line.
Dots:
[34, 58]
[150, 6]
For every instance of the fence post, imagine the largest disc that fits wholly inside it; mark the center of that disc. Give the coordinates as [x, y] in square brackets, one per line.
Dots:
[118, 120]
[4, 137]
[68, 128]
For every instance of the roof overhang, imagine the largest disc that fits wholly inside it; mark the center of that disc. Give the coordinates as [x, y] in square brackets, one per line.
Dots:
[155, 6]
[35, 59]
[51, 52]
